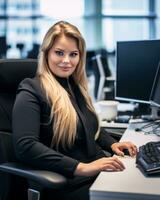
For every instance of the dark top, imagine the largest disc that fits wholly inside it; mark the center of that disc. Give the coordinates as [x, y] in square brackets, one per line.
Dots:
[33, 131]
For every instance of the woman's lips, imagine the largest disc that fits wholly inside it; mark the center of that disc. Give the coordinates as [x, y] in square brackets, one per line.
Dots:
[65, 68]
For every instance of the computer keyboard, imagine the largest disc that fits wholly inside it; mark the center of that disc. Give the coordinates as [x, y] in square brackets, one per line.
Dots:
[148, 158]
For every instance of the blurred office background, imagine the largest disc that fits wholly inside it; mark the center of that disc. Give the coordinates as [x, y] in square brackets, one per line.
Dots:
[23, 24]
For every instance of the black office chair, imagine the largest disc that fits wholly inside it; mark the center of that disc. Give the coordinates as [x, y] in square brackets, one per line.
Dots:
[104, 82]
[3, 47]
[16, 178]
[33, 53]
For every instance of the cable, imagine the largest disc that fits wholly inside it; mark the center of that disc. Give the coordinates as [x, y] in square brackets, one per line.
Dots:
[151, 128]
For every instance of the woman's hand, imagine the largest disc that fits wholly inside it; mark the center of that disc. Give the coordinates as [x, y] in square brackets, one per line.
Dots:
[118, 148]
[102, 164]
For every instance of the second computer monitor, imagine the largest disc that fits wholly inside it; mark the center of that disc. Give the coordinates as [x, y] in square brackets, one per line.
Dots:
[137, 63]
[155, 94]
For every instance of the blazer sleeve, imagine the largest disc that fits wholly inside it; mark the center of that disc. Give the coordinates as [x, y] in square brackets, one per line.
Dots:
[105, 140]
[26, 137]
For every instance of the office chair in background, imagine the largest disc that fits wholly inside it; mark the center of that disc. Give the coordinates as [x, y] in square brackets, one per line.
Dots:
[4, 47]
[33, 53]
[16, 178]
[104, 82]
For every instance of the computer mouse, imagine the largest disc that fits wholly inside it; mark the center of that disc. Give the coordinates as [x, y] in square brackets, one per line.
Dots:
[137, 129]
[126, 152]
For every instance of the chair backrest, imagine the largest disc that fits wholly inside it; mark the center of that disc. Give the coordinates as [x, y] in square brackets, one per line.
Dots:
[3, 48]
[12, 72]
[101, 70]
[102, 65]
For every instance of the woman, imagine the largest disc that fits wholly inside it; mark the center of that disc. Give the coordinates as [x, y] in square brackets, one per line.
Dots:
[55, 126]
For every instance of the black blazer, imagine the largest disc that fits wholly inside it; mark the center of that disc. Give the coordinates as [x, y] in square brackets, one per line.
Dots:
[33, 131]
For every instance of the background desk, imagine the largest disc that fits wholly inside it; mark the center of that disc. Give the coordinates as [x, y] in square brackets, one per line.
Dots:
[130, 184]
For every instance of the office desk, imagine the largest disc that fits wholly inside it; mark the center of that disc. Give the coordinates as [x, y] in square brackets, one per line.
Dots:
[131, 184]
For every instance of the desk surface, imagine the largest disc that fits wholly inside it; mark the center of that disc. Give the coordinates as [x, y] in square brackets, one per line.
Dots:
[131, 184]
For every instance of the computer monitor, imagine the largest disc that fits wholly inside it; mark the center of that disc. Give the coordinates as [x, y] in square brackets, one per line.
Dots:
[155, 94]
[137, 63]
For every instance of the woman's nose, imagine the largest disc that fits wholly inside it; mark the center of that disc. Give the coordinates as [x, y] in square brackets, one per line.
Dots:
[66, 59]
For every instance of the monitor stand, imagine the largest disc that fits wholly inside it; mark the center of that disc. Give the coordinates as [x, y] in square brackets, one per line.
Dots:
[142, 111]
[154, 115]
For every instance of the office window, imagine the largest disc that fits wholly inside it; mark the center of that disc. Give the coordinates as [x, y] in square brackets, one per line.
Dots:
[2, 6]
[19, 32]
[3, 27]
[158, 19]
[125, 7]
[123, 29]
[19, 29]
[18, 25]
[24, 7]
[62, 9]
[124, 20]
[2, 18]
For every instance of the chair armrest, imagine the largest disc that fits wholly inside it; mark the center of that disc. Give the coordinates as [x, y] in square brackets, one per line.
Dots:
[46, 179]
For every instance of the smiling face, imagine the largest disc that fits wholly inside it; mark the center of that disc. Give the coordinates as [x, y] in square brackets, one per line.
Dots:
[63, 57]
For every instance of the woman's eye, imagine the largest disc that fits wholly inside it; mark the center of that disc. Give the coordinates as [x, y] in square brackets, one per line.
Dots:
[73, 54]
[59, 53]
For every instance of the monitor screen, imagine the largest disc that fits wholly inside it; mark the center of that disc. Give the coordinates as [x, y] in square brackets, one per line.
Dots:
[155, 94]
[137, 63]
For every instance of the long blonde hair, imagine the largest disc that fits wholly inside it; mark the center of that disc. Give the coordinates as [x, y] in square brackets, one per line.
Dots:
[62, 113]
